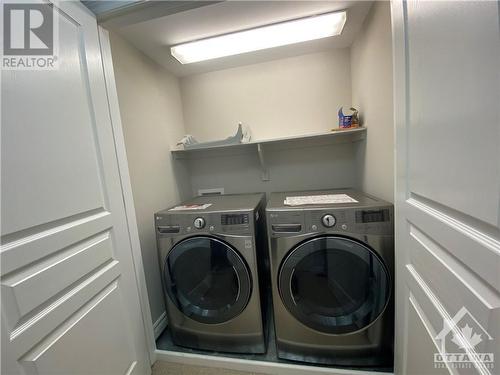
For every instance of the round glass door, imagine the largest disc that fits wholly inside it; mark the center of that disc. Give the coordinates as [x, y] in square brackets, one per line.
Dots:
[334, 284]
[207, 279]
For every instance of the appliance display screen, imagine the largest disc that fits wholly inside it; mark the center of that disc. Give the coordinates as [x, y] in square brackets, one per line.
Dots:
[372, 216]
[234, 219]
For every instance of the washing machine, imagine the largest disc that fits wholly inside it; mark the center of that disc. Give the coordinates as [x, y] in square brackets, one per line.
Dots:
[332, 272]
[213, 252]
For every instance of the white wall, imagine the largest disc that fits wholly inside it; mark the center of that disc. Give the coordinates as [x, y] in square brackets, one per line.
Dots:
[152, 119]
[298, 95]
[371, 70]
[311, 168]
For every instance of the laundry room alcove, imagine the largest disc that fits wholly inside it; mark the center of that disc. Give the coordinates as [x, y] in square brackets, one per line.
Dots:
[288, 96]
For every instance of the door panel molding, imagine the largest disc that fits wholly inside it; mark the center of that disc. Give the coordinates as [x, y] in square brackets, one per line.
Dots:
[426, 335]
[60, 330]
[432, 313]
[37, 247]
[47, 229]
[452, 73]
[57, 168]
[449, 274]
[93, 317]
[457, 219]
[427, 302]
[41, 323]
[480, 236]
[37, 283]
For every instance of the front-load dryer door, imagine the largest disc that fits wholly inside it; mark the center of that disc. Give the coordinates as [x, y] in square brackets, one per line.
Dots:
[207, 279]
[334, 284]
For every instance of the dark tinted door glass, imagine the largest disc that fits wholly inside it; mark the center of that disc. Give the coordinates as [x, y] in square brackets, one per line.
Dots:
[334, 284]
[207, 279]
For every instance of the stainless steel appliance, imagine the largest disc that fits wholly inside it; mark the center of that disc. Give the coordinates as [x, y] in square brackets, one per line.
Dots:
[332, 279]
[211, 262]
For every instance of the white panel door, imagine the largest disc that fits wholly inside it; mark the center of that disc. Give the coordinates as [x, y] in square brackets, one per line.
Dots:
[70, 302]
[447, 96]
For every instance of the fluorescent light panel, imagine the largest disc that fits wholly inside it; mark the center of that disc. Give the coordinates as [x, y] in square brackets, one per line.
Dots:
[279, 34]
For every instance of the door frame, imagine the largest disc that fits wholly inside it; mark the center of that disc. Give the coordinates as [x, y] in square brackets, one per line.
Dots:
[208, 360]
[128, 200]
[398, 26]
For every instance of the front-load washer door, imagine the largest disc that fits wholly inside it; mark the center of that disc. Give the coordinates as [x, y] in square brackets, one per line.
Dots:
[207, 279]
[334, 284]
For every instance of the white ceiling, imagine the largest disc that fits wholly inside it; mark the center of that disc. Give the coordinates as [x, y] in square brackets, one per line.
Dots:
[155, 36]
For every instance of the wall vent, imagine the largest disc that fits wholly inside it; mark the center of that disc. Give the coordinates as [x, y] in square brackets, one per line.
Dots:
[214, 191]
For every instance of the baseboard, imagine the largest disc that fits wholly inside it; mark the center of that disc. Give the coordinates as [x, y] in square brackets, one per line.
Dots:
[248, 365]
[160, 325]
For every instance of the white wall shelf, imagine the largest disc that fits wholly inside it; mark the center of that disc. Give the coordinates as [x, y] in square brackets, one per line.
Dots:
[258, 146]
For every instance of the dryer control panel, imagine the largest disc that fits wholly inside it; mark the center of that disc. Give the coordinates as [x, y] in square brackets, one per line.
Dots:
[377, 221]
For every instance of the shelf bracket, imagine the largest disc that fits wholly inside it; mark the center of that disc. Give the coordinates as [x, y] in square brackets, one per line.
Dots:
[263, 166]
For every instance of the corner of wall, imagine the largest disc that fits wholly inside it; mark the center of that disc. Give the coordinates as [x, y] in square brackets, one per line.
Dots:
[153, 121]
[371, 81]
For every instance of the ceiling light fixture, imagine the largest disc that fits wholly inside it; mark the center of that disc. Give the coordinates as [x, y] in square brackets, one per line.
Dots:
[279, 34]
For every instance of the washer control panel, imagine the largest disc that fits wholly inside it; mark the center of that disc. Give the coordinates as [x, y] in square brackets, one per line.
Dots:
[193, 223]
[362, 221]
[328, 220]
[199, 223]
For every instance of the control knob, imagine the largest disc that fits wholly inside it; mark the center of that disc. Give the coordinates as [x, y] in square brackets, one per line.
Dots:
[199, 223]
[328, 220]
